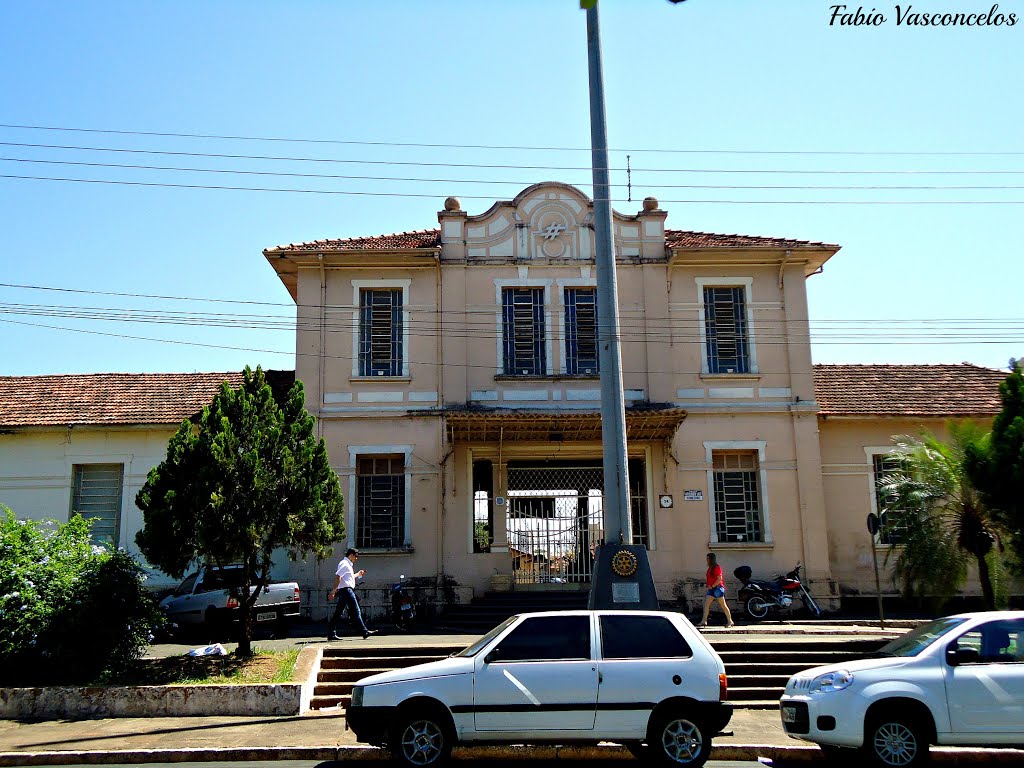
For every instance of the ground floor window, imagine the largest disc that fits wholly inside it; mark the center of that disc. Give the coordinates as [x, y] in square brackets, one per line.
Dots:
[737, 497]
[892, 528]
[483, 505]
[96, 495]
[380, 506]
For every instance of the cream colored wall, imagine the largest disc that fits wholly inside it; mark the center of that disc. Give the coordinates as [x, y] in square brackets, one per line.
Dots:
[36, 469]
[848, 480]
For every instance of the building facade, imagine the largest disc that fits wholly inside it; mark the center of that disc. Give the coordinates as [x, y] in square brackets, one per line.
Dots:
[454, 376]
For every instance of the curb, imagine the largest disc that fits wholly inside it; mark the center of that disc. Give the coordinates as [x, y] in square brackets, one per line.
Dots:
[749, 752]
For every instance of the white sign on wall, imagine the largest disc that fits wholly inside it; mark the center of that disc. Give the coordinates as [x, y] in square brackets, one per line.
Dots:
[693, 495]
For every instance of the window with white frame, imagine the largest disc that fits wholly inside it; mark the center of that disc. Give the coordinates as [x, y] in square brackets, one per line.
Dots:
[380, 505]
[726, 335]
[737, 496]
[380, 332]
[892, 528]
[96, 494]
[523, 332]
[581, 331]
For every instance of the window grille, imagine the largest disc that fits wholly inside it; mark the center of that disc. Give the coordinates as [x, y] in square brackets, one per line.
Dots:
[523, 331]
[737, 501]
[890, 531]
[725, 325]
[96, 496]
[581, 331]
[380, 487]
[380, 333]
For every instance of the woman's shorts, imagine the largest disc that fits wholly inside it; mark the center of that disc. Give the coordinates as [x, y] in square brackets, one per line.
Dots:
[717, 592]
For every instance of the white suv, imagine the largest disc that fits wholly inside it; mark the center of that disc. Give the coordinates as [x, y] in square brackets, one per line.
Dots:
[956, 680]
[646, 679]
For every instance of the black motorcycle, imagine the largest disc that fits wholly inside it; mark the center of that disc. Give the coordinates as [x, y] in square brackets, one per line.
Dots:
[403, 610]
[761, 596]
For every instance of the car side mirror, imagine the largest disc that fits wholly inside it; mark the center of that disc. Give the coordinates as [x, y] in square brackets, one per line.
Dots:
[491, 657]
[956, 656]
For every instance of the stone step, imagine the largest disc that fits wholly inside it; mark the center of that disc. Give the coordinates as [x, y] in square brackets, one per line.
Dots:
[389, 662]
[349, 675]
[758, 693]
[758, 681]
[390, 651]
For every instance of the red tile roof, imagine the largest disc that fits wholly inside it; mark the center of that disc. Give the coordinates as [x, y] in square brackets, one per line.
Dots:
[936, 391]
[680, 238]
[114, 398]
[421, 238]
[431, 238]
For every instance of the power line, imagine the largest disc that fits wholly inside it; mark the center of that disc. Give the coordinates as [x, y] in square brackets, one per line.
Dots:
[425, 145]
[296, 353]
[356, 177]
[487, 313]
[291, 158]
[224, 187]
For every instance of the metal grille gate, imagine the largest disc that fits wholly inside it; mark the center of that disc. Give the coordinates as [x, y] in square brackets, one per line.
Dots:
[556, 518]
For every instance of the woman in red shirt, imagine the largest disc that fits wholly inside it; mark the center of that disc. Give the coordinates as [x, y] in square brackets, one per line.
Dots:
[716, 591]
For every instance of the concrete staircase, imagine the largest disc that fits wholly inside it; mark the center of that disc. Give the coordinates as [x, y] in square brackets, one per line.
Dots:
[758, 668]
[485, 613]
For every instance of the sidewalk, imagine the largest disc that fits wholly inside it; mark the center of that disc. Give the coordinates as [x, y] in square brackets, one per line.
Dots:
[321, 736]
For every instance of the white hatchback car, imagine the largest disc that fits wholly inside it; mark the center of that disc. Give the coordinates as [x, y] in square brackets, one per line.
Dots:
[956, 680]
[646, 679]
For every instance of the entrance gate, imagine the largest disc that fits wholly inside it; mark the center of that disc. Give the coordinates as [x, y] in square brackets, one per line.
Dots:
[556, 518]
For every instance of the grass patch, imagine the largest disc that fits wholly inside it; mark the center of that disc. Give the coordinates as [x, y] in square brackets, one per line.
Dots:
[261, 667]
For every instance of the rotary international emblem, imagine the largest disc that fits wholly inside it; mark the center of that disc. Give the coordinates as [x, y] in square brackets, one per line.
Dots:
[624, 563]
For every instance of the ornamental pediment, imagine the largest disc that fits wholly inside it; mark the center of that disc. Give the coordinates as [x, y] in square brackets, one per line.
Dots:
[550, 221]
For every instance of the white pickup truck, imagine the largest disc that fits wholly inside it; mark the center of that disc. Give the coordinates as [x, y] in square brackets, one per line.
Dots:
[208, 599]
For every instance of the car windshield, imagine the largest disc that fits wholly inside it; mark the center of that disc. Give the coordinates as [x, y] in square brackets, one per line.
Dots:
[918, 639]
[474, 649]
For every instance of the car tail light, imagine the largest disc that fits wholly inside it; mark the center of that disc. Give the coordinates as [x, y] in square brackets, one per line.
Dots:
[232, 602]
[295, 595]
[723, 687]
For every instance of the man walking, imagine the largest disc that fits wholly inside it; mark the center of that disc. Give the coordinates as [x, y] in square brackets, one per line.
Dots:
[345, 589]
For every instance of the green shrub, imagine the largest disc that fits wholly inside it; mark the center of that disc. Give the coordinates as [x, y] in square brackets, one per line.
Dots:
[69, 610]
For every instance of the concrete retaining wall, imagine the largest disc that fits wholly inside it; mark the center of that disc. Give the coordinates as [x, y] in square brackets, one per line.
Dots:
[166, 700]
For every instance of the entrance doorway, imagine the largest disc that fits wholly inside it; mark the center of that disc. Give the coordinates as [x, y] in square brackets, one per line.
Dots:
[555, 518]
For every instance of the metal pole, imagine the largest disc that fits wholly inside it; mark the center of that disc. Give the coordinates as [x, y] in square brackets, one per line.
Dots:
[878, 583]
[617, 517]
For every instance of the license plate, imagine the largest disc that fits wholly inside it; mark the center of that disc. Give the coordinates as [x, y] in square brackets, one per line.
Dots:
[789, 714]
[266, 616]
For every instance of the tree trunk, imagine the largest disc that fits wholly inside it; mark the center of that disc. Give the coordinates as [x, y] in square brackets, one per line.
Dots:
[986, 583]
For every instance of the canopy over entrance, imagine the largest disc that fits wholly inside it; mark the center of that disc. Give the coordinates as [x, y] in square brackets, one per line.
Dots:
[480, 426]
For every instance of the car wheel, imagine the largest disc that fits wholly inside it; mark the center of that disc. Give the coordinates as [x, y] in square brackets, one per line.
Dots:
[895, 742]
[757, 607]
[679, 738]
[421, 739]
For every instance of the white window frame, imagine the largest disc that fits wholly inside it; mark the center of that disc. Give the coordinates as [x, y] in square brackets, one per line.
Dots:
[522, 282]
[380, 284]
[81, 461]
[561, 285]
[355, 452]
[762, 478]
[747, 284]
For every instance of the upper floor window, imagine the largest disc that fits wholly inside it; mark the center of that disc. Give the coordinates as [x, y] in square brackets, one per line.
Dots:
[523, 331]
[380, 509]
[889, 510]
[737, 496]
[725, 330]
[581, 331]
[380, 332]
[96, 495]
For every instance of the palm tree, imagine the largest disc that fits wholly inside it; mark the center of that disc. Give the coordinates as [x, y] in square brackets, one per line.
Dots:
[939, 519]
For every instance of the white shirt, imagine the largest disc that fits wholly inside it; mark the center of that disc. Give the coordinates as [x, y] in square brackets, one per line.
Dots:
[345, 571]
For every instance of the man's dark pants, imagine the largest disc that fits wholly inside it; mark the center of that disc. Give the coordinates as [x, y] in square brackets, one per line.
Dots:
[346, 598]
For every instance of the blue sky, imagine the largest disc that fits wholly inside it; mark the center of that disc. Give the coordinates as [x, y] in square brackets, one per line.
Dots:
[912, 284]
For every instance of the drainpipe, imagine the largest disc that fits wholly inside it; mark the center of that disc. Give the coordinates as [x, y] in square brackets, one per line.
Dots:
[442, 468]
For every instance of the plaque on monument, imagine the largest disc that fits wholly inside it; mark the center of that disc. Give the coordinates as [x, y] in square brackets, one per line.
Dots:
[625, 592]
